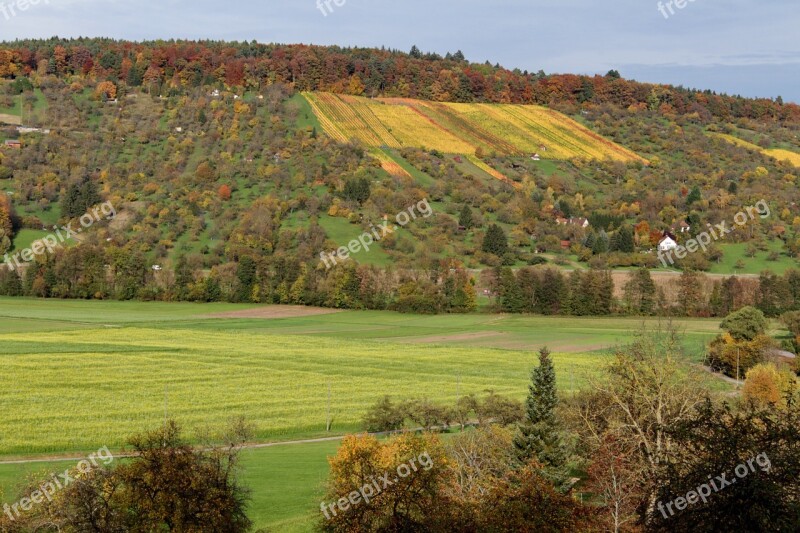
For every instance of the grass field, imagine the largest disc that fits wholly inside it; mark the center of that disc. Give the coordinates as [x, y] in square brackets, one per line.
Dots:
[460, 128]
[82, 374]
[735, 252]
[86, 374]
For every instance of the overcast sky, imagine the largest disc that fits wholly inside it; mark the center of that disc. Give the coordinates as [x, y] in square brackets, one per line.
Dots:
[743, 47]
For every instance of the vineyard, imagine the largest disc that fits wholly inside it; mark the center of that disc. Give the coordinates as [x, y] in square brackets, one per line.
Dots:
[516, 130]
[775, 153]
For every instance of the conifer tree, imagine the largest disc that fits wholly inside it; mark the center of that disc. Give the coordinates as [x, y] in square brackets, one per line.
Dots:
[538, 436]
[495, 241]
[465, 218]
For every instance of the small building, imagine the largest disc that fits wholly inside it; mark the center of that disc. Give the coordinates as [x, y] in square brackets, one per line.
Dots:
[575, 221]
[565, 245]
[667, 243]
[15, 144]
[536, 157]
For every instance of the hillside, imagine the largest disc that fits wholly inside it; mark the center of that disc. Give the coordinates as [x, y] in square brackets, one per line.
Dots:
[231, 187]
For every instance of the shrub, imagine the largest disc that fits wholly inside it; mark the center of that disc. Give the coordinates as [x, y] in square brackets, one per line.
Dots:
[384, 416]
[726, 354]
[745, 324]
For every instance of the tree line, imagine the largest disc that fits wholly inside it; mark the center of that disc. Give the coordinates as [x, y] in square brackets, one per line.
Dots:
[168, 67]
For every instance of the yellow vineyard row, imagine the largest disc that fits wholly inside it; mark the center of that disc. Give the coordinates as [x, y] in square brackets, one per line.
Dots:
[775, 153]
[461, 128]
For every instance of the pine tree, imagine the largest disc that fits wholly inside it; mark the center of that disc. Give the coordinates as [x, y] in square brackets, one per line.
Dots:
[640, 292]
[694, 196]
[512, 299]
[624, 239]
[465, 218]
[246, 276]
[495, 241]
[183, 278]
[538, 436]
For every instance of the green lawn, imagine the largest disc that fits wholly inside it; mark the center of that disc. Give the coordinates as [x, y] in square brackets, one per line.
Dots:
[341, 232]
[752, 265]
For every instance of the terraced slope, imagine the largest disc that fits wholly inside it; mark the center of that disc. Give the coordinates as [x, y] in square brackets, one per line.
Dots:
[461, 128]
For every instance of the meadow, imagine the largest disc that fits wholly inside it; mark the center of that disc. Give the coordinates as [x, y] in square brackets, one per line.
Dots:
[82, 374]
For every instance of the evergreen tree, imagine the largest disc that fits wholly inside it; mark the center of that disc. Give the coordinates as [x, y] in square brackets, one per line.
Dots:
[512, 300]
[600, 245]
[624, 240]
[694, 196]
[538, 436]
[495, 241]
[551, 295]
[357, 190]
[183, 278]
[465, 218]
[576, 303]
[79, 197]
[246, 277]
[10, 282]
[640, 292]
[565, 207]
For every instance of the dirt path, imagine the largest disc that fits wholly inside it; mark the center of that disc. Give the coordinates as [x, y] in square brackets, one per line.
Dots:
[252, 446]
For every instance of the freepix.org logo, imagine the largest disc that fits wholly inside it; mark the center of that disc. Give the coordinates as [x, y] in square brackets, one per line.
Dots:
[50, 242]
[10, 10]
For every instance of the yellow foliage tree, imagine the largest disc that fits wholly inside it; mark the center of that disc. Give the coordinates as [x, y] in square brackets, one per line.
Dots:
[767, 385]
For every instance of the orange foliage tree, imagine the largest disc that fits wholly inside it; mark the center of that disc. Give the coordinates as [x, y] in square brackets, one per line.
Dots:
[106, 89]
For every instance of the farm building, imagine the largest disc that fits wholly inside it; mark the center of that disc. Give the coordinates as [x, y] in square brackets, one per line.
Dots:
[579, 221]
[12, 144]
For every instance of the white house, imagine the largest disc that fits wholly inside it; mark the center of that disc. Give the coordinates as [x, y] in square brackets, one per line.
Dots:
[666, 244]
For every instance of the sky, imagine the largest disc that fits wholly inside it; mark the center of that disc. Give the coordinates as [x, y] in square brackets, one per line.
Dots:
[745, 47]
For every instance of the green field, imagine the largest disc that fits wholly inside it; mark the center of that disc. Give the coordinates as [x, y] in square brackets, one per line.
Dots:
[752, 265]
[79, 375]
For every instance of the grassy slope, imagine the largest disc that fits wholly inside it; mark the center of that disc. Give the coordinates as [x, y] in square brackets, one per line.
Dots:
[752, 265]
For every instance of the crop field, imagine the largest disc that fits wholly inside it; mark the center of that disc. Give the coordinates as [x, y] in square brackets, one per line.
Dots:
[73, 389]
[78, 375]
[461, 128]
